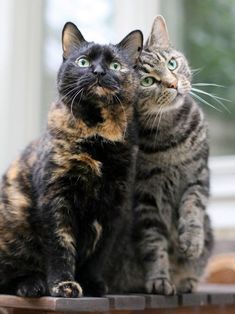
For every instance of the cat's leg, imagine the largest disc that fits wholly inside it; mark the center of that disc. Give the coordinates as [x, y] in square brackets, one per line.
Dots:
[185, 273]
[59, 247]
[91, 274]
[188, 272]
[92, 282]
[34, 285]
[152, 241]
[157, 279]
[191, 216]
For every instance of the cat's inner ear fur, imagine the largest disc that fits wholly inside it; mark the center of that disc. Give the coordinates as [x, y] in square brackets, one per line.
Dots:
[71, 37]
[159, 34]
[133, 45]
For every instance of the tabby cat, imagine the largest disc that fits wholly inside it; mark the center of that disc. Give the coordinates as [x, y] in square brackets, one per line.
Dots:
[172, 229]
[62, 200]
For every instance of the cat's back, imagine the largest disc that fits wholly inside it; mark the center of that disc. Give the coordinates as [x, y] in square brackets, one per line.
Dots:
[16, 191]
[18, 220]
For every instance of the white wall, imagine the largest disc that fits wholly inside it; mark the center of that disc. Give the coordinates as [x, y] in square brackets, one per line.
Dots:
[20, 75]
[222, 201]
[134, 14]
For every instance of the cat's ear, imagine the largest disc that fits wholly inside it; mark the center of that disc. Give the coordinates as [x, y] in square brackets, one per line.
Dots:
[133, 45]
[71, 37]
[159, 34]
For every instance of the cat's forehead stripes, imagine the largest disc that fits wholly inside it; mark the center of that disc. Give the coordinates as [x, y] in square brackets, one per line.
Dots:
[152, 63]
[152, 60]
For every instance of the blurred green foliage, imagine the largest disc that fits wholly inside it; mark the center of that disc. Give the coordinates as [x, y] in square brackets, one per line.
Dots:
[209, 44]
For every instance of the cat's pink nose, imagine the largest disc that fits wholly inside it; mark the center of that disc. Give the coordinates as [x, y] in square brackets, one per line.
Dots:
[173, 84]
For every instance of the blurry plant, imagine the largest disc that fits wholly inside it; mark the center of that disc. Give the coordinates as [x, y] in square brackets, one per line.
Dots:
[210, 45]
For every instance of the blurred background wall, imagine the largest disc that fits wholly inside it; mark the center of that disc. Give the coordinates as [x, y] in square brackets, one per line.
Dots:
[30, 54]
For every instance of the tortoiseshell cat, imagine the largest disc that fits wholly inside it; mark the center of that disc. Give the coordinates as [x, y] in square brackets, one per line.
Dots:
[172, 228]
[171, 236]
[62, 200]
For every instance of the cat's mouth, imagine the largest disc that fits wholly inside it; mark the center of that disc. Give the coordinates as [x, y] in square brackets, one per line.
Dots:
[103, 89]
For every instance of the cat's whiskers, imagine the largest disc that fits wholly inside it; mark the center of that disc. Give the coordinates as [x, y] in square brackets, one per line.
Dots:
[207, 84]
[71, 107]
[89, 91]
[81, 95]
[61, 99]
[159, 119]
[152, 118]
[78, 178]
[202, 100]
[148, 116]
[70, 87]
[213, 96]
[196, 71]
[124, 112]
[158, 115]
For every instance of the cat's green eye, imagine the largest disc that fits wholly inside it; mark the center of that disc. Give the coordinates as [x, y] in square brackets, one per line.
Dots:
[83, 62]
[115, 66]
[172, 64]
[147, 81]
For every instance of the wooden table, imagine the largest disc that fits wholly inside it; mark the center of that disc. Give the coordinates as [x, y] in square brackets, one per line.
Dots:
[209, 299]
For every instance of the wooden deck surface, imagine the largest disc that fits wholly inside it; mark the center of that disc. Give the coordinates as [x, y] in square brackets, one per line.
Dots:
[209, 299]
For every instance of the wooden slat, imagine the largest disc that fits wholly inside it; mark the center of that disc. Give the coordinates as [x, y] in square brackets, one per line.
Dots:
[195, 299]
[221, 299]
[56, 304]
[127, 302]
[161, 301]
[82, 304]
[219, 294]
[44, 303]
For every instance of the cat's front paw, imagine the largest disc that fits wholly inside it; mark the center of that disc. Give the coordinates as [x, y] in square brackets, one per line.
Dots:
[160, 286]
[66, 289]
[187, 285]
[191, 240]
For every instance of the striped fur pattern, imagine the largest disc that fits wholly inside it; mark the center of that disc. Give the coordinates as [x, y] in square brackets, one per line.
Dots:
[62, 200]
[172, 229]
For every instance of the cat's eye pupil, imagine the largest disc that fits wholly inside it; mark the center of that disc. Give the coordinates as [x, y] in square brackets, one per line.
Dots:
[147, 81]
[83, 62]
[172, 64]
[116, 66]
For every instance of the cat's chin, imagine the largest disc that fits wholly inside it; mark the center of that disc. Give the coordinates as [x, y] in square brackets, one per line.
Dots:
[175, 104]
[101, 91]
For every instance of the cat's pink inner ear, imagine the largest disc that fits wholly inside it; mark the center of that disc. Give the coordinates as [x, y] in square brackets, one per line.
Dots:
[71, 37]
[159, 34]
[66, 43]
